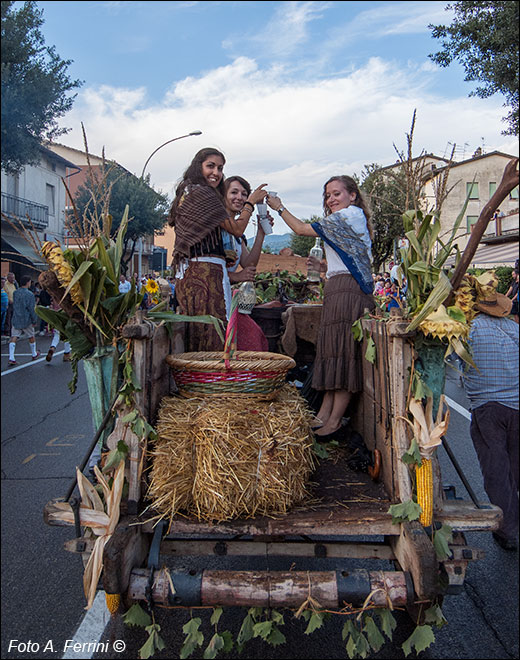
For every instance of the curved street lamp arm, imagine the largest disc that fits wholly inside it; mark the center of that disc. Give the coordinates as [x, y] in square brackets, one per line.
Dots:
[164, 144]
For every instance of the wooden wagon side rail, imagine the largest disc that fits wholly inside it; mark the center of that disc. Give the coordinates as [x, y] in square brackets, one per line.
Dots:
[382, 410]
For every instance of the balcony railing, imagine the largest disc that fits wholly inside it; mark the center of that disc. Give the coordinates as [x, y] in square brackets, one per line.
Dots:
[18, 208]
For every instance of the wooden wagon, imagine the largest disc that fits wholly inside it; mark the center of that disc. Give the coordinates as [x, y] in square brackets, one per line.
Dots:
[351, 521]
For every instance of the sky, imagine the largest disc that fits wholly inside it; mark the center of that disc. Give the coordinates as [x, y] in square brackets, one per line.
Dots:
[291, 92]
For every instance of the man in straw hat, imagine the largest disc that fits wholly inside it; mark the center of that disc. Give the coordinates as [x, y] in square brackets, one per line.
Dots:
[493, 395]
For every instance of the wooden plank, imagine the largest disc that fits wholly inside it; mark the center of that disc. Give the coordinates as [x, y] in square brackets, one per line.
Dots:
[366, 519]
[126, 549]
[400, 361]
[160, 380]
[463, 515]
[139, 366]
[378, 334]
[294, 549]
[416, 555]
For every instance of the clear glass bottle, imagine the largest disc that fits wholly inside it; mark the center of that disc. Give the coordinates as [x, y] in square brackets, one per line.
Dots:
[246, 297]
[313, 275]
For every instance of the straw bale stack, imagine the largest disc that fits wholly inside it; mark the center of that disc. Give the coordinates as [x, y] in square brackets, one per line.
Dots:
[226, 458]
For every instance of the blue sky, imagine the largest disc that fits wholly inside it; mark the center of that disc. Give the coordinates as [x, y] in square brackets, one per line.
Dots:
[291, 92]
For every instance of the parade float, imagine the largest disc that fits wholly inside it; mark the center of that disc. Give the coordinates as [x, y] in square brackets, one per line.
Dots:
[199, 464]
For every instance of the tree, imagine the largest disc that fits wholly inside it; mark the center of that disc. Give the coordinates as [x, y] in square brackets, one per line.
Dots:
[34, 87]
[386, 193]
[483, 37]
[301, 245]
[148, 208]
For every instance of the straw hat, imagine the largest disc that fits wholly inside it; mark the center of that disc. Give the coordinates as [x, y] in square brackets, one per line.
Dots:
[496, 304]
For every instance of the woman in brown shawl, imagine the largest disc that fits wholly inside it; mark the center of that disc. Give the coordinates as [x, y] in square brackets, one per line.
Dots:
[198, 214]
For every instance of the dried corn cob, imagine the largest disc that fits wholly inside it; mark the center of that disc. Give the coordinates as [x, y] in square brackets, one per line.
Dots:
[113, 602]
[424, 482]
[53, 254]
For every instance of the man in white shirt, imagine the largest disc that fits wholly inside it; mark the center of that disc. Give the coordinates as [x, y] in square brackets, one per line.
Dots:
[124, 285]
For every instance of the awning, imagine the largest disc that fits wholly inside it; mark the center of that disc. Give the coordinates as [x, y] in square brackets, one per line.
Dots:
[487, 256]
[15, 248]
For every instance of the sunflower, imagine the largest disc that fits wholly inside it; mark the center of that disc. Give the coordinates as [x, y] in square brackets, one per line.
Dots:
[152, 287]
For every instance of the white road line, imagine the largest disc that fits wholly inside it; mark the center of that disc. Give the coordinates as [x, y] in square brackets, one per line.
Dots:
[12, 370]
[458, 408]
[90, 629]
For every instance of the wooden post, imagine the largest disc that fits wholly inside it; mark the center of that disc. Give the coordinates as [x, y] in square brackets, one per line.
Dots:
[416, 554]
[509, 182]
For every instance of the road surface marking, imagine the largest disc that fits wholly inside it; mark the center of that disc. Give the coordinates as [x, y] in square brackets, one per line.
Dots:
[31, 456]
[458, 408]
[54, 443]
[91, 628]
[11, 370]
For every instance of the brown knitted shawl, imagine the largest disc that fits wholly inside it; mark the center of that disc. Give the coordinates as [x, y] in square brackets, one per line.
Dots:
[198, 215]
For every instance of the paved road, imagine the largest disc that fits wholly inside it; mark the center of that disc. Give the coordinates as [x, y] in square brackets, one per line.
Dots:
[45, 431]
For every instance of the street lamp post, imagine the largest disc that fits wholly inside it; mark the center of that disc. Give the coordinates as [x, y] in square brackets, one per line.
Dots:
[164, 144]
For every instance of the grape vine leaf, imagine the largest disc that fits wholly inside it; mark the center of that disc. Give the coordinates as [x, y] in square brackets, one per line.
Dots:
[246, 630]
[370, 353]
[421, 638]
[154, 642]
[194, 638]
[441, 538]
[262, 629]
[215, 617]
[409, 510]
[435, 616]
[276, 637]
[357, 330]
[412, 456]
[136, 616]
[374, 637]
[215, 645]
[388, 622]
[315, 622]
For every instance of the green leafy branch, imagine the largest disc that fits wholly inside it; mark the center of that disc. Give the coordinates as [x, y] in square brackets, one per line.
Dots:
[366, 630]
[404, 511]
[370, 352]
[137, 617]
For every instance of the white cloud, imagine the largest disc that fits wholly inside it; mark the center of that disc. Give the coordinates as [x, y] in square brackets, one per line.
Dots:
[287, 30]
[291, 135]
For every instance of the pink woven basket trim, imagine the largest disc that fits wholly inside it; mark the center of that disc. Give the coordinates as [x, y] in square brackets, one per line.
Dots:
[186, 377]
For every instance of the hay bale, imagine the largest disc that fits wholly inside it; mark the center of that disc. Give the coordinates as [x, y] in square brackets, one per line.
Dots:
[227, 458]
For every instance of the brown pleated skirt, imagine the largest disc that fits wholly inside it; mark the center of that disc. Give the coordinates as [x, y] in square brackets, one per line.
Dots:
[338, 363]
[200, 292]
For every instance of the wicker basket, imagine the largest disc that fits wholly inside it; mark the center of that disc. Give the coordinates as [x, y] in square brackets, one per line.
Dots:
[247, 373]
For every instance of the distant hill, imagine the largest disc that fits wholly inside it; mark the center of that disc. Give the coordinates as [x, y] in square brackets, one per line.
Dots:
[277, 242]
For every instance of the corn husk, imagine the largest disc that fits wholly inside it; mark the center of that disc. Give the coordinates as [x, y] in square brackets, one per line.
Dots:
[225, 458]
[101, 518]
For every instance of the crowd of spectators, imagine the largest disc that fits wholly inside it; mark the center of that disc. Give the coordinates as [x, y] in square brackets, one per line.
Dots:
[387, 290]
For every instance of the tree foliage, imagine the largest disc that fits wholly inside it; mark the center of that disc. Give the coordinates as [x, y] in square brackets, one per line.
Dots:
[34, 87]
[301, 245]
[148, 207]
[386, 193]
[483, 38]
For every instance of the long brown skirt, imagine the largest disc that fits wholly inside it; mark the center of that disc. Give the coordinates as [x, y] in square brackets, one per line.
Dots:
[338, 363]
[201, 292]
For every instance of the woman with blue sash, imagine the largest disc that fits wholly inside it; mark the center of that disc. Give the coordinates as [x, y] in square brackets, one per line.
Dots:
[346, 232]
